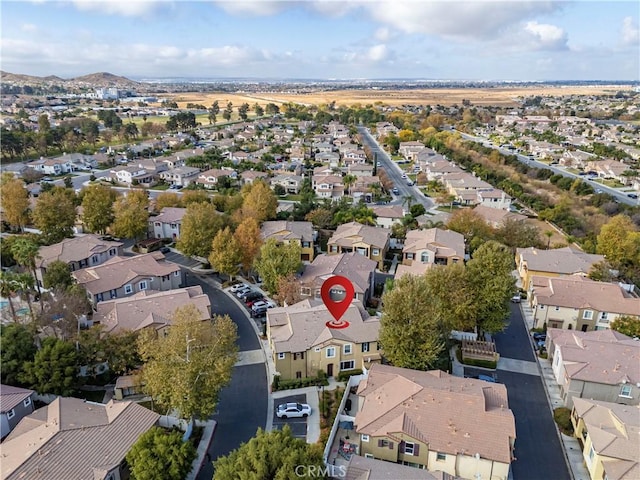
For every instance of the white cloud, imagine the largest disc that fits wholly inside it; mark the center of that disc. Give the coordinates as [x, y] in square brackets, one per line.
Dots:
[29, 27]
[127, 8]
[630, 32]
[383, 34]
[546, 36]
[258, 8]
[377, 53]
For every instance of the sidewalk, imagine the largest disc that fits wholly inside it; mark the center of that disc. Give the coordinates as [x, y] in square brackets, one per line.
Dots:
[570, 445]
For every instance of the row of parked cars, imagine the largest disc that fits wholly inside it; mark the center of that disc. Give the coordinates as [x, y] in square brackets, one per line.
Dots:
[253, 299]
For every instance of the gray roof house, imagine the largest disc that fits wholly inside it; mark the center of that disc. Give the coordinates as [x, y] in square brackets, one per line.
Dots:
[15, 403]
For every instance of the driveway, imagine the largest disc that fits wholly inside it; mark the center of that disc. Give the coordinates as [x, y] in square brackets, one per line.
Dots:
[298, 425]
[181, 259]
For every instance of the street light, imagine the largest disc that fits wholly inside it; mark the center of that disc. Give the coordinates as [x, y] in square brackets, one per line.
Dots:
[321, 389]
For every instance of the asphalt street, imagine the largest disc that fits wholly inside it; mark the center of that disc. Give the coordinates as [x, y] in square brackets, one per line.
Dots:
[538, 452]
[298, 425]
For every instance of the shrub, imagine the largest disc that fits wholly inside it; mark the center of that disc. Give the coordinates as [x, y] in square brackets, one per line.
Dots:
[344, 375]
[562, 416]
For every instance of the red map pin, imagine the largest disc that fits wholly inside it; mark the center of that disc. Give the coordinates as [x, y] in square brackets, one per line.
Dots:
[337, 308]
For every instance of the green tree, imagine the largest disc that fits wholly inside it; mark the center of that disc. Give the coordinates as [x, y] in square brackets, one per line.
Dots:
[619, 242]
[54, 368]
[489, 272]
[225, 256]
[200, 224]
[55, 215]
[348, 181]
[159, 454]
[277, 260]
[518, 234]
[25, 252]
[242, 111]
[249, 241]
[15, 201]
[186, 369]
[472, 227]
[57, 275]
[228, 111]
[26, 283]
[97, 206]
[167, 199]
[213, 112]
[8, 287]
[259, 111]
[17, 348]
[627, 325]
[131, 215]
[267, 456]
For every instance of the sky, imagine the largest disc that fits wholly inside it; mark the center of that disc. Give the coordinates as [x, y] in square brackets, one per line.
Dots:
[518, 40]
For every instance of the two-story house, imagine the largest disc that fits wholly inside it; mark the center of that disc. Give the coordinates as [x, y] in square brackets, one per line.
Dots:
[372, 242]
[410, 150]
[435, 421]
[603, 365]
[149, 309]
[182, 176]
[211, 177]
[496, 217]
[578, 303]
[357, 268]
[423, 248]
[78, 252]
[388, 215]
[290, 183]
[125, 276]
[328, 186]
[553, 263]
[302, 344]
[291, 232]
[494, 198]
[609, 435]
[15, 403]
[133, 175]
[167, 224]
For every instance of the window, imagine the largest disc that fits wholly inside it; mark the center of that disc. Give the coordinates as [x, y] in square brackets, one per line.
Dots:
[347, 349]
[604, 317]
[409, 256]
[173, 226]
[27, 401]
[441, 457]
[331, 352]
[377, 345]
[305, 291]
[112, 252]
[625, 391]
[365, 347]
[176, 273]
[95, 258]
[317, 349]
[592, 454]
[587, 314]
[306, 244]
[11, 413]
[113, 293]
[409, 448]
[349, 365]
[281, 356]
[364, 438]
[424, 258]
[298, 374]
[158, 224]
[128, 288]
[375, 251]
[143, 285]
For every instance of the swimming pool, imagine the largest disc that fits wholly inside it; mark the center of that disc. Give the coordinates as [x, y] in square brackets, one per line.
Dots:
[4, 303]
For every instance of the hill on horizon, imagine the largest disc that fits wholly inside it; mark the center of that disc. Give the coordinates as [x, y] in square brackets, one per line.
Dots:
[98, 78]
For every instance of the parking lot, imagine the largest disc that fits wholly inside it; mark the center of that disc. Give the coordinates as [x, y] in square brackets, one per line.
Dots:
[298, 425]
[181, 260]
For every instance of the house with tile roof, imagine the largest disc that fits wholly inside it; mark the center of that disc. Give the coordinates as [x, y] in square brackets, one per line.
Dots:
[302, 344]
[328, 186]
[372, 242]
[609, 435]
[388, 215]
[125, 276]
[284, 231]
[578, 303]
[15, 403]
[435, 421]
[494, 198]
[424, 248]
[211, 177]
[602, 365]
[556, 262]
[78, 252]
[357, 268]
[497, 217]
[74, 439]
[182, 176]
[168, 223]
[149, 309]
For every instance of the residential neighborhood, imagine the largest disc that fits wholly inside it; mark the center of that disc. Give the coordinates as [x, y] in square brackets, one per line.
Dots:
[175, 282]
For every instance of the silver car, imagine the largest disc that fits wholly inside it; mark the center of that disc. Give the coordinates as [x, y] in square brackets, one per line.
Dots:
[293, 410]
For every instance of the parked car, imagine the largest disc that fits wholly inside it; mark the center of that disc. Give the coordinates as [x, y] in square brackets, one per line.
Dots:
[486, 378]
[516, 298]
[404, 175]
[263, 303]
[259, 312]
[165, 249]
[632, 195]
[537, 336]
[243, 291]
[251, 295]
[293, 410]
[237, 287]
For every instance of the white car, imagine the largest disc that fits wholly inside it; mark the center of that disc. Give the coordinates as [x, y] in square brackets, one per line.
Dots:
[404, 175]
[293, 410]
[242, 291]
[262, 303]
[237, 287]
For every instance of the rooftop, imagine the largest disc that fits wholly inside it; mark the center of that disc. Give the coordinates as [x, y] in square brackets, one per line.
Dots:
[74, 249]
[560, 260]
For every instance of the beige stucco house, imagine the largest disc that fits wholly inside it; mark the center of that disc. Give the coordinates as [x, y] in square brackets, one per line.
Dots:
[149, 309]
[557, 262]
[578, 303]
[609, 435]
[78, 252]
[302, 344]
[287, 232]
[424, 248]
[372, 242]
[435, 421]
[603, 365]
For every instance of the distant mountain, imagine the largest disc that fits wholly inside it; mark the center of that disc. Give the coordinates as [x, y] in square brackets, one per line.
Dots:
[100, 79]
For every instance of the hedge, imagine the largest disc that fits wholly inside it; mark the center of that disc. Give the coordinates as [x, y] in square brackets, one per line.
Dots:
[345, 374]
[297, 383]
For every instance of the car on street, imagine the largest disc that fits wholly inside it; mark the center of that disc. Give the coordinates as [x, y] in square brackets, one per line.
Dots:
[378, 164]
[516, 298]
[632, 195]
[395, 191]
[293, 410]
[409, 183]
[598, 190]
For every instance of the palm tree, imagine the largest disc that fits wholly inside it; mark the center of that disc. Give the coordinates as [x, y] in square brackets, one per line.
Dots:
[407, 200]
[348, 180]
[25, 252]
[25, 283]
[8, 287]
[549, 234]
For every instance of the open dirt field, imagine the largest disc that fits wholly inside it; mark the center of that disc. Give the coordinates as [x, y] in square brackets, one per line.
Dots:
[502, 96]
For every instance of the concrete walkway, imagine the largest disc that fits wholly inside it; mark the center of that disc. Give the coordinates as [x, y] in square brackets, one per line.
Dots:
[201, 453]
